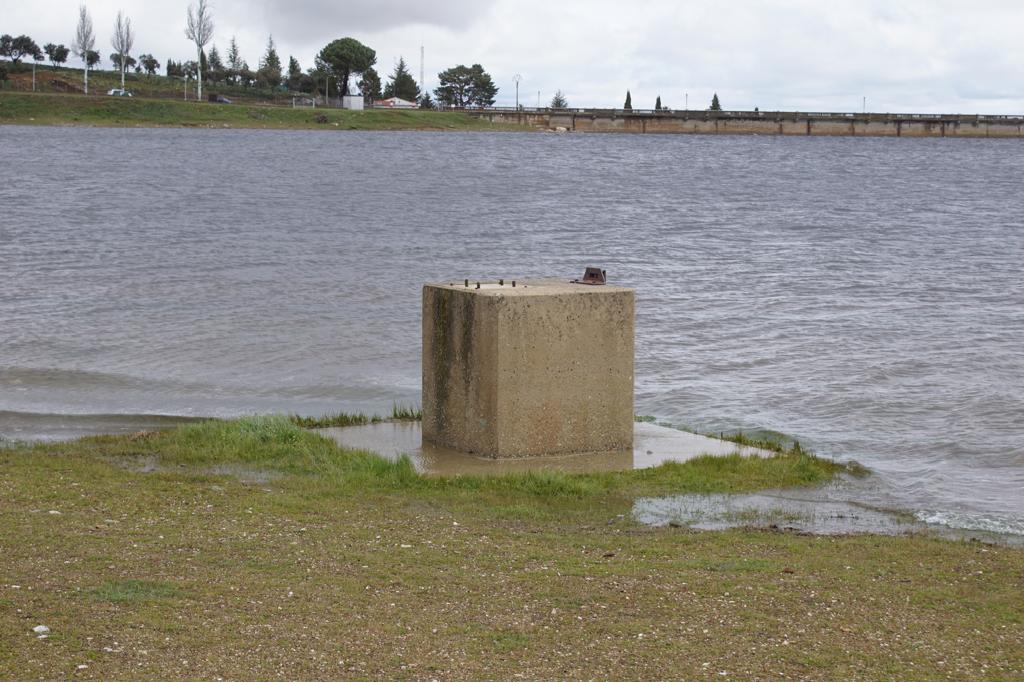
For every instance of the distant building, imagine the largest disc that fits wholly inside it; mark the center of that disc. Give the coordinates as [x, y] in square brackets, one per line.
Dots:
[395, 103]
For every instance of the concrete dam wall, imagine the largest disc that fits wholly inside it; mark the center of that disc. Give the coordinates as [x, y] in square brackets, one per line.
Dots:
[760, 123]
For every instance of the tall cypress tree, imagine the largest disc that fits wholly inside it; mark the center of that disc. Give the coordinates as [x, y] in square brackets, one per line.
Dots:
[270, 66]
[657, 105]
[402, 84]
[235, 62]
[628, 106]
[715, 104]
[294, 73]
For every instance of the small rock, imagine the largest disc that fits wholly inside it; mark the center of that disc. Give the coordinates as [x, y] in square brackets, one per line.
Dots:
[54, 512]
[41, 630]
[608, 555]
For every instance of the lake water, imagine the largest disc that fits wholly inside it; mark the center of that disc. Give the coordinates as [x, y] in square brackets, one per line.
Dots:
[862, 295]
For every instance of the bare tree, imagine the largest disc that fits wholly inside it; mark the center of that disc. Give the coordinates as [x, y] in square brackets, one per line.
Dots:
[84, 41]
[199, 29]
[123, 40]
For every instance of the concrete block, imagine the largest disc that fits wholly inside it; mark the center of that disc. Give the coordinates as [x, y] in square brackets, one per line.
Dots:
[543, 368]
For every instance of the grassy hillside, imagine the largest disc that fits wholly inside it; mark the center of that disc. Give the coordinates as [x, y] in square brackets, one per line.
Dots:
[252, 549]
[69, 81]
[57, 109]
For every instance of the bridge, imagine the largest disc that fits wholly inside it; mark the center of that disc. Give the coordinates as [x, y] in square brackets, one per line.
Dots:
[757, 122]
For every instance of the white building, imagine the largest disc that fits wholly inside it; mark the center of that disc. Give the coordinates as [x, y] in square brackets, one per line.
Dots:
[354, 102]
[395, 103]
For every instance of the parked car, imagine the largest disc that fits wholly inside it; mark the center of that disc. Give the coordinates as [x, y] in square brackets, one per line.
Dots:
[118, 92]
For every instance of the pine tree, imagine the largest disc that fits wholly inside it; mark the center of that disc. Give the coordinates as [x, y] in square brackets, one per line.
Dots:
[657, 105]
[235, 62]
[426, 102]
[270, 66]
[213, 59]
[559, 101]
[628, 106]
[294, 73]
[402, 84]
[215, 65]
[715, 104]
[463, 85]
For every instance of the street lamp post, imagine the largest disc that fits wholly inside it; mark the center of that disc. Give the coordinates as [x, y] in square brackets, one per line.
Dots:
[517, 78]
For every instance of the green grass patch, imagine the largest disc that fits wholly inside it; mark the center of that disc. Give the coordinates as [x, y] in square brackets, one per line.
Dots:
[280, 444]
[401, 413]
[135, 591]
[52, 109]
[334, 419]
[338, 419]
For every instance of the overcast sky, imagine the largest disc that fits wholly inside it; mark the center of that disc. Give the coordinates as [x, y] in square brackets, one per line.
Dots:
[811, 55]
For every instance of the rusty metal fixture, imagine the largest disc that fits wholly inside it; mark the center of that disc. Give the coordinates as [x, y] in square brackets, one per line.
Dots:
[478, 285]
[501, 282]
[467, 283]
[593, 276]
[513, 284]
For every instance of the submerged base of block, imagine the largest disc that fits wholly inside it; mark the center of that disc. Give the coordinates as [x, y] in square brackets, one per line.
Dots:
[651, 445]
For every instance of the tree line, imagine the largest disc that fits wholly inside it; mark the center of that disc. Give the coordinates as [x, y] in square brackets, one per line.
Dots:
[339, 63]
[341, 60]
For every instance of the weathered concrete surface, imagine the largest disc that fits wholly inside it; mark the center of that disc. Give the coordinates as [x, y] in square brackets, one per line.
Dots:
[542, 368]
[764, 123]
[652, 445]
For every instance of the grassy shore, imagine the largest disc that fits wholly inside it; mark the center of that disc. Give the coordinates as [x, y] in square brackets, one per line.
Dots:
[50, 109]
[253, 549]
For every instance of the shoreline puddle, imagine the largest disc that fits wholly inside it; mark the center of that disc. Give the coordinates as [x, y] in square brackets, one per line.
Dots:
[803, 511]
